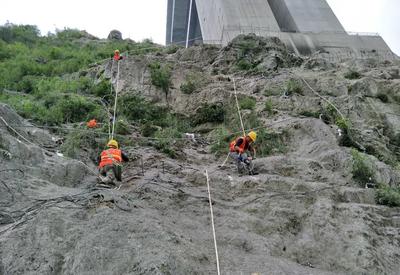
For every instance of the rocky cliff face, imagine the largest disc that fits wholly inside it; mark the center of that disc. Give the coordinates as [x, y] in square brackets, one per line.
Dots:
[305, 213]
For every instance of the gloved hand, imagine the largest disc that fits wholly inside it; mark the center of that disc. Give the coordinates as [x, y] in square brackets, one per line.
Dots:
[240, 158]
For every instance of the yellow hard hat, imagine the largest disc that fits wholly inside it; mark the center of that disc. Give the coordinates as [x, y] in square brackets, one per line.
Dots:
[112, 143]
[116, 51]
[252, 135]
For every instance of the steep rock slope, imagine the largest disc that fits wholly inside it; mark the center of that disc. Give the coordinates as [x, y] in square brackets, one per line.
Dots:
[303, 214]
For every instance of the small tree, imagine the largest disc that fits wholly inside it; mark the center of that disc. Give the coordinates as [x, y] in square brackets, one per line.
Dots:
[161, 77]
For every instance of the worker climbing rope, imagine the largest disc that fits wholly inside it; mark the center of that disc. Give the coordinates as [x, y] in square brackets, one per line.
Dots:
[243, 152]
[115, 64]
[117, 56]
[110, 166]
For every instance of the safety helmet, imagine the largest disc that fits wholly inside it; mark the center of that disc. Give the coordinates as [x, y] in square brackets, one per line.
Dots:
[112, 143]
[252, 135]
[116, 51]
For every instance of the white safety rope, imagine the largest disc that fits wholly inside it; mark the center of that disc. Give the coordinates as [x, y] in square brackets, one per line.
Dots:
[212, 223]
[320, 96]
[115, 102]
[238, 108]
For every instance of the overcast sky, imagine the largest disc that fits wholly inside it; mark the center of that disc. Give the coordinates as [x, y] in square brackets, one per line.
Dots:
[139, 19]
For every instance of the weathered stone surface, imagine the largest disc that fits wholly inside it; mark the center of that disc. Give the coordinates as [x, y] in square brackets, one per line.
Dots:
[303, 214]
[114, 35]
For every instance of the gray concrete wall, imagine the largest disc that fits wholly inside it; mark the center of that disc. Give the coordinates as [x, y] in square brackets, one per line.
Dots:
[305, 26]
[312, 16]
[283, 16]
[217, 16]
[211, 18]
[180, 21]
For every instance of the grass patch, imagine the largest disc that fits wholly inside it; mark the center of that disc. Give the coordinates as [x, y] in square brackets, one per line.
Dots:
[214, 113]
[136, 108]
[389, 196]
[167, 141]
[269, 107]
[79, 140]
[247, 103]
[352, 74]
[54, 110]
[222, 137]
[171, 49]
[244, 65]
[362, 171]
[161, 77]
[294, 87]
[193, 82]
[308, 113]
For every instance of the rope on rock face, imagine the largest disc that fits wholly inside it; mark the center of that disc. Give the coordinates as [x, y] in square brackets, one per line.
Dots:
[226, 159]
[212, 223]
[15, 131]
[238, 108]
[320, 96]
[115, 102]
[41, 146]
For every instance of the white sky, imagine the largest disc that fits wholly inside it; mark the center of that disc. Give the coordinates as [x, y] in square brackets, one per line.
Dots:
[139, 19]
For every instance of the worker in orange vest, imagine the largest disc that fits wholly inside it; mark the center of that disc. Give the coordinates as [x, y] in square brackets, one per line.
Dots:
[239, 149]
[110, 166]
[92, 123]
[117, 56]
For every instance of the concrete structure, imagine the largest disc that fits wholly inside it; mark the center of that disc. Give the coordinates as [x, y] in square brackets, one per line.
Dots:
[305, 26]
[305, 16]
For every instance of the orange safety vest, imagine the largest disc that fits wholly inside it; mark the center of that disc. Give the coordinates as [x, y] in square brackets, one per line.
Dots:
[117, 57]
[110, 156]
[92, 123]
[241, 147]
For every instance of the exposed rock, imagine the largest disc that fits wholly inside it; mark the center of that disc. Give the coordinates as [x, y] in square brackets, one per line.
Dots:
[303, 214]
[114, 35]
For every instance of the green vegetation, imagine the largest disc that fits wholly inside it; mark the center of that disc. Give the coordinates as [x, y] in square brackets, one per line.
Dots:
[362, 171]
[247, 102]
[352, 74]
[222, 137]
[193, 82]
[272, 92]
[154, 122]
[171, 49]
[80, 139]
[167, 141]
[308, 113]
[137, 109]
[245, 65]
[331, 115]
[209, 113]
[36, 73]
[294, 87]
[268, 107]
[268, 142]
[54, 109]
[247, 47]
[386, 195]
[161, 77]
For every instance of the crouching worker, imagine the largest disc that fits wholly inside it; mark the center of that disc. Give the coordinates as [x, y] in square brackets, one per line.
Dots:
[110, 166]
[243, 152]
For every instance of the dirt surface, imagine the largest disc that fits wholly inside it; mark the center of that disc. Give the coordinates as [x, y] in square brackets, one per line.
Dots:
[303, 213]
